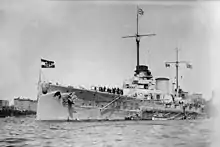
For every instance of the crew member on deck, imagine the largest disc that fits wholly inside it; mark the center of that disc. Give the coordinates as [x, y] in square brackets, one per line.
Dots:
[112, 90]
[117, 91]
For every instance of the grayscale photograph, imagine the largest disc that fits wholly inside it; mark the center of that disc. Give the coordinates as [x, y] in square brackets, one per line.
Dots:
[107, 73]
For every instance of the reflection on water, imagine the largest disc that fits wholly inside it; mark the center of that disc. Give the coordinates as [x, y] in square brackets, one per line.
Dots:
[28, 132]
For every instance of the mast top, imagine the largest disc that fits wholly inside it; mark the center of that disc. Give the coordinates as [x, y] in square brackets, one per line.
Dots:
[137, 36]
[177, 63]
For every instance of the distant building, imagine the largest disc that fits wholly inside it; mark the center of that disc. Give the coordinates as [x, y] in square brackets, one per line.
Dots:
[4, 103]
[25, 104]
[196, 98]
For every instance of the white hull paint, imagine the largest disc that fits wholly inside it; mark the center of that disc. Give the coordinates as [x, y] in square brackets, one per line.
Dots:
[92, 105]
[50, 108]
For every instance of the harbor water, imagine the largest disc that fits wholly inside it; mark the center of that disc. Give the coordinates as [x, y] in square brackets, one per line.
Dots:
[27, 132]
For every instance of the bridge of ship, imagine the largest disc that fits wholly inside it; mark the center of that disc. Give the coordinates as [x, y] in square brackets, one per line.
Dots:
[142, 85]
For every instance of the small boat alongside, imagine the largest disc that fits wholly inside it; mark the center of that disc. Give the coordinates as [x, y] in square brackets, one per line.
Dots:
[160, 118]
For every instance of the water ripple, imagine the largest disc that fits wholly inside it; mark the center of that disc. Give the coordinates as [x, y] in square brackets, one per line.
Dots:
[28, 132]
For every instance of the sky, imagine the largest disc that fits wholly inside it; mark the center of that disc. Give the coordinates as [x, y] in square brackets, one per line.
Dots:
[85, 41]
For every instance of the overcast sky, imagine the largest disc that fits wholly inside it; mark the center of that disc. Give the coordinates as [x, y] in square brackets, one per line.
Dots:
[84, 40]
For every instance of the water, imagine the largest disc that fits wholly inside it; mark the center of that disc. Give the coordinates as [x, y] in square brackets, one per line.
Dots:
[22, 132]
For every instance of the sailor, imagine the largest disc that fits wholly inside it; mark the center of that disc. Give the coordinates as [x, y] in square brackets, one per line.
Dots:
[113, 90]
[117, 90]
[151, 96]
[184, 116]
[69, 102]
[104, 89]
[184, 109]
[110, 91]
[173, 98]
[70, 108]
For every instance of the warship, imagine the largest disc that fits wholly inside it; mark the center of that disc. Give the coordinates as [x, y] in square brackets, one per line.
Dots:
[142, 97]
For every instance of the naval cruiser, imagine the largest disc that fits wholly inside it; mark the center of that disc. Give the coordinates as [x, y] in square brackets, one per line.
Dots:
[139, 94]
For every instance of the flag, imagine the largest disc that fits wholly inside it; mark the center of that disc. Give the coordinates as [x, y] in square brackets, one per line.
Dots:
[140, 11]
[47, 64]
[167, 64]
[189, 66]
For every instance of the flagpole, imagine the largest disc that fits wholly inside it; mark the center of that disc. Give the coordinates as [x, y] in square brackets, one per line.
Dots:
[39, 81]
[177, 74]
[137, 40]
[137, 37]
[137, 18]
[40, 71]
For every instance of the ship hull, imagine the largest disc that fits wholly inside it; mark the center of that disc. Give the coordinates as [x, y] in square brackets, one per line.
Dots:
[93, 105]
[88, 105]
[51, 109]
